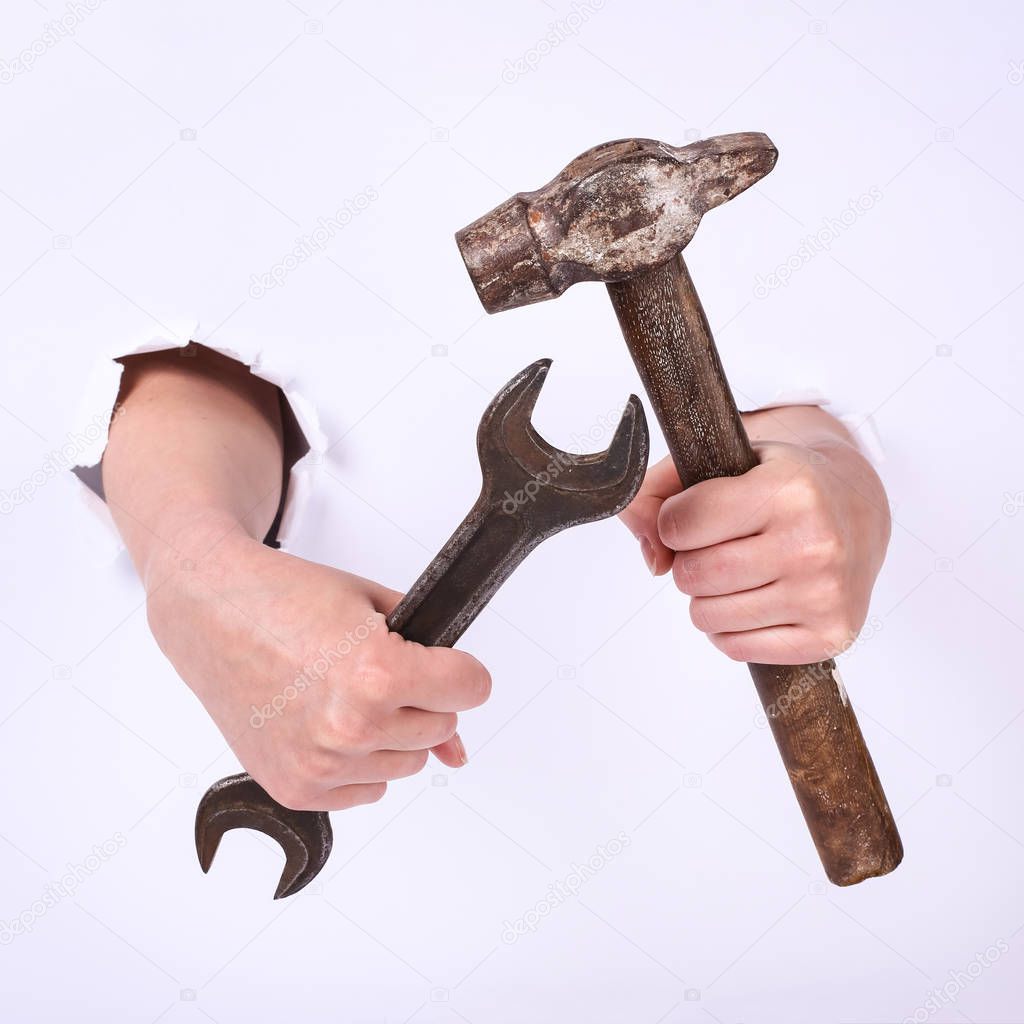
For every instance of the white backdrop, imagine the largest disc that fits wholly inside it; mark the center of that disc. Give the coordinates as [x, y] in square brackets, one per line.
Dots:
[158, 156]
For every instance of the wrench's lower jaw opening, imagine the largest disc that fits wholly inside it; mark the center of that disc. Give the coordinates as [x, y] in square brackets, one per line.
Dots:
[305, 855]
[239, 802]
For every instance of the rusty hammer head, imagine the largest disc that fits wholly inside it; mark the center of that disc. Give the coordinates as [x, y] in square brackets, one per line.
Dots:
[617, 210]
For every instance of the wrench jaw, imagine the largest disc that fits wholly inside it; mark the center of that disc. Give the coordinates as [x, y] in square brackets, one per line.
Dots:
[240, 802]
[602, 484]
[505, 426]
[516, 460]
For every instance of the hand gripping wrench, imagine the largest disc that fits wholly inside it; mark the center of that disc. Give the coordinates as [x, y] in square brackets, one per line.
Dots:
[530, 491]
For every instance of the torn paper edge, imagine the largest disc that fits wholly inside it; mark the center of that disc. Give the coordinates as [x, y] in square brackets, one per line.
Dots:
[97, 405]
[840, 686]
[861, 427]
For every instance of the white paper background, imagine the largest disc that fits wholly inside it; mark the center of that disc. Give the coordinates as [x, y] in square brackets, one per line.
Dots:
[161, 155]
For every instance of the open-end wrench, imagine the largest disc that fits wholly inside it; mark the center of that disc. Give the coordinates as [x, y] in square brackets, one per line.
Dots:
[530, 491]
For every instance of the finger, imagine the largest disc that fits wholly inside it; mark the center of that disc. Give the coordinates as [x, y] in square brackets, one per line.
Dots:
[451, 753]
[382, 766]
[641, 515]
[435, 678]
[748, 610]
[384, 599]
[728, 568]
[775, 645]
[343, 797]
[660, 482]
[413, 729]
[723, 509]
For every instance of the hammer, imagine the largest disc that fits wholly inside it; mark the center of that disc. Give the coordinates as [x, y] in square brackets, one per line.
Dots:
[622, 213]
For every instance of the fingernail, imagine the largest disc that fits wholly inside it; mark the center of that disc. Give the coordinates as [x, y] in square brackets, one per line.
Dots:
[647, 550]
[460, 750]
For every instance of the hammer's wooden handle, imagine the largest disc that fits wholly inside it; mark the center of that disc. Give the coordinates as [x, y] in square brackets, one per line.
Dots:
[810, 716]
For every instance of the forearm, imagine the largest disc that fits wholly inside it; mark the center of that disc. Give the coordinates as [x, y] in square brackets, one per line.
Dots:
[193, 471]
[196, 452]
[807, 425]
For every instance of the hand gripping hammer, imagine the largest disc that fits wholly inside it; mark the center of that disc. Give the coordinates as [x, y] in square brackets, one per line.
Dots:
[622, 213]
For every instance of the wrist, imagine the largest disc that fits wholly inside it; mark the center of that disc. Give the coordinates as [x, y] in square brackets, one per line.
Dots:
[190, 537]
[804, 425]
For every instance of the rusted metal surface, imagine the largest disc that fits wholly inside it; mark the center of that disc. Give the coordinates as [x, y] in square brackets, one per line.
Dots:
[621, 213]
[530, 492]
[615, 211]
[239, 801]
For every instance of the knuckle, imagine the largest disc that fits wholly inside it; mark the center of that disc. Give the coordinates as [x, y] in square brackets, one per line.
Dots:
[360, 732]
[803, 492]
[374, 679]
[415, 763]
[838, 636]
[290, 793]
[328, 731]
[830, 592]
[700, 614]
[447, 724]
[821, 550]
[688, 573]
[318, 765]
[734, 646]
[821, 597]
[427, 729]
[344, 728]
[669, 525]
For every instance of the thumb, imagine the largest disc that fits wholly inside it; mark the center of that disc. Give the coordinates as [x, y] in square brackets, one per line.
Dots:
[641, 515]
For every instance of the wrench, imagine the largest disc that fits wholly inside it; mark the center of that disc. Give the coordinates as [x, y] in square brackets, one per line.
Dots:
[530, 492]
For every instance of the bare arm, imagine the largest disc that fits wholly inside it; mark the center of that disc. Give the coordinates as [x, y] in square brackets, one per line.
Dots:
[197, 452]
[292, 660]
